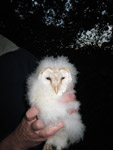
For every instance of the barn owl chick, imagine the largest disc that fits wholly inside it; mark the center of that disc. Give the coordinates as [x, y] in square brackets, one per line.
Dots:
[52, 79]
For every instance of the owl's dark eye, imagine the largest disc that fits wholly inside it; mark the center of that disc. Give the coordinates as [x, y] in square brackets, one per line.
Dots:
[62, 78]
[48, 78]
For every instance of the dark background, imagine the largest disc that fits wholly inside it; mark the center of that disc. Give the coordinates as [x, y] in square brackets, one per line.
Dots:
[95, 64]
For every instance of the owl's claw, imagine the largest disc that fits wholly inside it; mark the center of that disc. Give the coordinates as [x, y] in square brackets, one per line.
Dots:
[47, 147]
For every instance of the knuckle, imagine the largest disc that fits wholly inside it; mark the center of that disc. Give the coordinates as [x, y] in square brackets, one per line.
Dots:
[40, 124]
[27, 115]
[35, 126]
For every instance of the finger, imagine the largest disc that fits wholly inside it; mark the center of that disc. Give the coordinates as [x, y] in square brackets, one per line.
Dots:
[37, 125]
[31, 113]
[69, 97]
[72, 111]
[50, 131]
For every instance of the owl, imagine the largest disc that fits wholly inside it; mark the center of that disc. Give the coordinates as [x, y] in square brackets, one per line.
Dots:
[52, 79]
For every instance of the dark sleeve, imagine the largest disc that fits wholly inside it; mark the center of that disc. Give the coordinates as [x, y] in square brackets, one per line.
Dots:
[15, 67]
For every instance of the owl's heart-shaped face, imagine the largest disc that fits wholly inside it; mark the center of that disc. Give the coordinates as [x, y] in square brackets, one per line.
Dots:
[58, 79]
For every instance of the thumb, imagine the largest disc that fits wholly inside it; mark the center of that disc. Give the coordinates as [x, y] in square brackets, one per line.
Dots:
[31, 114]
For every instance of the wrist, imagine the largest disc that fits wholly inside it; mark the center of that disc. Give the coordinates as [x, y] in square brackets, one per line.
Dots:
[11, 143]
[17, 143]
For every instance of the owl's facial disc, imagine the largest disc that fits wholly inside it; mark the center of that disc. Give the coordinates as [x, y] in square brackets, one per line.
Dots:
[58, 79]
[56, 82]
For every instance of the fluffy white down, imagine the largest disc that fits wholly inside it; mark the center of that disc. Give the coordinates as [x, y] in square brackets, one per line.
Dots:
[52, 111]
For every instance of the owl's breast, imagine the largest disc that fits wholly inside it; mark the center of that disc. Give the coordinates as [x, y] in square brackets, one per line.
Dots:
[52, 111]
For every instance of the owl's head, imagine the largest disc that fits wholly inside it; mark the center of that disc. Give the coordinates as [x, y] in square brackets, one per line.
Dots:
[58, 79]
[55, 74]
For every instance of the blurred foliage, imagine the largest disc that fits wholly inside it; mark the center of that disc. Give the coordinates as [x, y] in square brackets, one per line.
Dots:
[48, 26]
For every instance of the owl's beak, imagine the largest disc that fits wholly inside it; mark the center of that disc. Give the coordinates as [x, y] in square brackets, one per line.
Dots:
[56, 88]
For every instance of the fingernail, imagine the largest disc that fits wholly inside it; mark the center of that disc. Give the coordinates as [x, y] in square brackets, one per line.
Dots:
[60, 124]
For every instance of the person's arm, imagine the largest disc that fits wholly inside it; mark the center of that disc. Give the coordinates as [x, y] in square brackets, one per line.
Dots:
[29, 133]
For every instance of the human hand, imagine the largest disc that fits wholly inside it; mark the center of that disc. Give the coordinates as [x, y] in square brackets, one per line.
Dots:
[31, 131]
[68, 98]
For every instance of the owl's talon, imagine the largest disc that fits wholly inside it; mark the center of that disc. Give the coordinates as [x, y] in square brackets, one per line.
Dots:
[47, 147]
